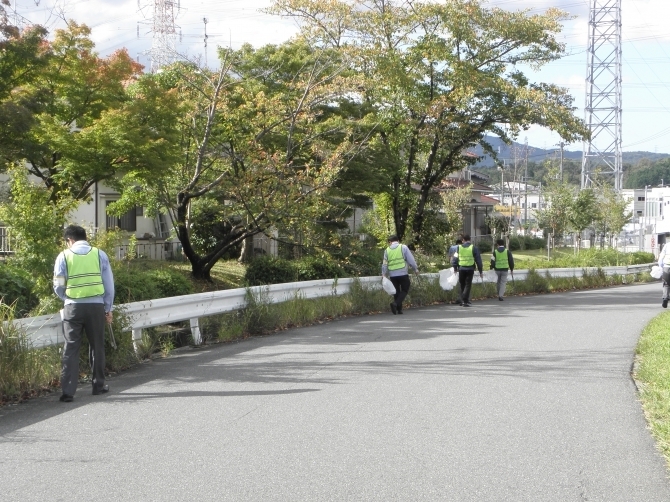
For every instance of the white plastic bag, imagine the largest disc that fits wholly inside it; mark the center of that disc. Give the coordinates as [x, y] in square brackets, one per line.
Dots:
[445, 275]
[656, 272]
[388, 286]
[453, 280]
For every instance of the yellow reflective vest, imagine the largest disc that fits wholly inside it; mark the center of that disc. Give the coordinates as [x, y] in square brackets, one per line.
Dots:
[84, 277]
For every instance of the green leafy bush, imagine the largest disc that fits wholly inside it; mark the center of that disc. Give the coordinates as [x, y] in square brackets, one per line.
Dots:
[170, 282]
[133, 285]
[594, 257]
[641, 257]
[17, 289]
[363, 262]
[130, 285]
[312, 268]
[484, 247]
[530, 242]
[269, 270]
[515, 243]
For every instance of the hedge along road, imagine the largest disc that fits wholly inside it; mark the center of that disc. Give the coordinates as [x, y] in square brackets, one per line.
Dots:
[529, 399]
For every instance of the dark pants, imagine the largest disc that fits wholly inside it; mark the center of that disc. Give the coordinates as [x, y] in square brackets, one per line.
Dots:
[401, 284]
[465, 281]
[666, 283]
[80, 317]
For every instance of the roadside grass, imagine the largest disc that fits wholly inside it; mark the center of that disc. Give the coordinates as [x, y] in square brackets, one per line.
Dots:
[568, 258]
[25, 371]
[652, 374]
[227, 274]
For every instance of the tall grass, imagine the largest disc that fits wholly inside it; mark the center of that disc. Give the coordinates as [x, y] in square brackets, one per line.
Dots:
[652, 372]
[24, 370]
[261, 316]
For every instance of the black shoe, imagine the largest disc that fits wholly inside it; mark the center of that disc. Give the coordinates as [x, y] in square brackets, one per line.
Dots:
[400, 312]
[467, 304]
[103, 390]
[500, 298]
[394, 308]
[66, 398]
[664, 303]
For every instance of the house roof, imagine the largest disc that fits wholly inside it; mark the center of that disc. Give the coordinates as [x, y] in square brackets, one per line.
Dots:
[450, 183]
[489, 200]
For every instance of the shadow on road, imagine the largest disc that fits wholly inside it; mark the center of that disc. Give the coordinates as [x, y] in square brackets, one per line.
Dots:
[329, 354]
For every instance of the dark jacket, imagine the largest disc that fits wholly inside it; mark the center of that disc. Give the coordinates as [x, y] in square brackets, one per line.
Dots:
[510, 259]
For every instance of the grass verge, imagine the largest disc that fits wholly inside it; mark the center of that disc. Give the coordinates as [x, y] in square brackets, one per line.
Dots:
[25, 371]
[652, 374]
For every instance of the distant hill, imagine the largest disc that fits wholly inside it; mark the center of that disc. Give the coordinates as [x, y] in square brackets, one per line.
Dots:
[535, 154]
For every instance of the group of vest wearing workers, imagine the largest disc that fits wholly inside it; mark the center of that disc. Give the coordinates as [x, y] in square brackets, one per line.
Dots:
[465, 258]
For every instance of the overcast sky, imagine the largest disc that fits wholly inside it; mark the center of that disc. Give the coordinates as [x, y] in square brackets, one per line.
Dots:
[646, 48]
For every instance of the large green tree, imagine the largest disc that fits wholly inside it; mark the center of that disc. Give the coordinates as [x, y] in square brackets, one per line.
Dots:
[557, 210]
[440, 77]
[74, 124]
[263, 139]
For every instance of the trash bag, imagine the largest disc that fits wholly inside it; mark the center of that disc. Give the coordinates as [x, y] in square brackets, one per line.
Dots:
[445, 275]
[388, 286]
[453, 280]
[656, 272]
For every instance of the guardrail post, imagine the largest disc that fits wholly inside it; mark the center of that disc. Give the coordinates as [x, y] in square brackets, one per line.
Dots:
[195, 330]
[137, 337]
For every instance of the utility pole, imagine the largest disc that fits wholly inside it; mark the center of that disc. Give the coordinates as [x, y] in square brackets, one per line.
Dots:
[205, 20]
[602, 108]
[525, 204]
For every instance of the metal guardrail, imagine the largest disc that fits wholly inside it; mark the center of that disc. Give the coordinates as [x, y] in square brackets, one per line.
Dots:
[47, 330]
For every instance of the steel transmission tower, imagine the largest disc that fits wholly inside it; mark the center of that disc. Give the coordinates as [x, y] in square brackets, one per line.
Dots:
[164, 33]
[603, 93]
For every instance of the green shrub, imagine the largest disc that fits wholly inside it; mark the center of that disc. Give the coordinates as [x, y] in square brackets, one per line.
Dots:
[530, 242]
[17, 289]
[269, 270]
[515, 243]
[312, 268]
[484, 247]
[594, 257]
[131, 285]
[642, 257]
[170, 282]
[362, 262]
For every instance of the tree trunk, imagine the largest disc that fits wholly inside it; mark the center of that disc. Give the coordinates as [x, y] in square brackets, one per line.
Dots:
[247, 253]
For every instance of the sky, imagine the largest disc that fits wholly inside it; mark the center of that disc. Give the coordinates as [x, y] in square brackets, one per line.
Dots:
[645, 50]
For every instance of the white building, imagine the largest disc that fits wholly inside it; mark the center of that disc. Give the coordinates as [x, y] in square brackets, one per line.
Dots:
[649, 228]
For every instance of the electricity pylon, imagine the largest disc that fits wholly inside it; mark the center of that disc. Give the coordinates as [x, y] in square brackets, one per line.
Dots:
[164, 33]
[602, 111]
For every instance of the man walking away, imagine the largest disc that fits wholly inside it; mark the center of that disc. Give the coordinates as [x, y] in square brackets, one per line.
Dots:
[83, 280]
[397, 260]
[453, 260]
[664, 263]
[502, 261]
[468, 258]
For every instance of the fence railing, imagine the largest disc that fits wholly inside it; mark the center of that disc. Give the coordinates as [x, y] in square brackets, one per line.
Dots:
[47, 330]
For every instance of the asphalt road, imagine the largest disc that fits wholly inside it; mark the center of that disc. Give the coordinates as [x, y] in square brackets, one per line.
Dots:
[529, 399]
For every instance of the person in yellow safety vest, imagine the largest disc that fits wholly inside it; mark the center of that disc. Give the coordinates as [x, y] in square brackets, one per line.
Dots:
[468, 258]
[664, 263]
[502, 261]
[395, 265]
[83, 280]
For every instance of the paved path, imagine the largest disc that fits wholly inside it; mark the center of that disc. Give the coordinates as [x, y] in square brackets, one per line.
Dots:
[524, 400]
